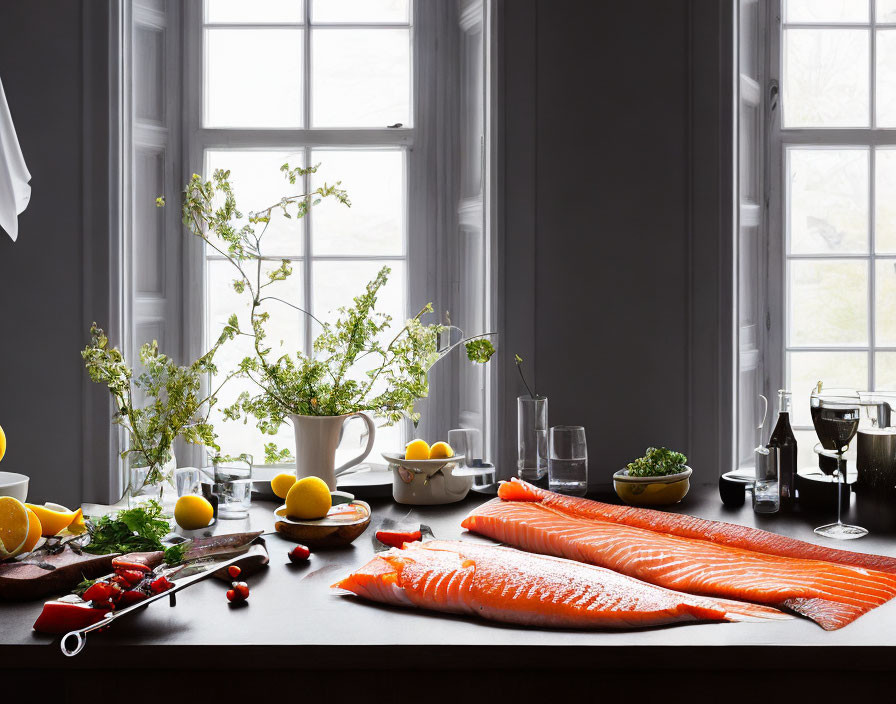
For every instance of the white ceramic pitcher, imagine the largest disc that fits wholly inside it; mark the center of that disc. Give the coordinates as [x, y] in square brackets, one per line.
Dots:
[317, 438]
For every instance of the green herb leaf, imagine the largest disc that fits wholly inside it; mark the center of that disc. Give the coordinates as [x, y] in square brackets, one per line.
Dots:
[657, 462]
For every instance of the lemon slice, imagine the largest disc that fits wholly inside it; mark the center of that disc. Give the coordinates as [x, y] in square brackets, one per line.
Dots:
[33, 533]
[53, 521]
[14, 526]
[2, 442]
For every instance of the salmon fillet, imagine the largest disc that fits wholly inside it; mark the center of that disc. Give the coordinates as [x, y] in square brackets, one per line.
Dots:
[503, 584]
[692, 527]
[831, 594]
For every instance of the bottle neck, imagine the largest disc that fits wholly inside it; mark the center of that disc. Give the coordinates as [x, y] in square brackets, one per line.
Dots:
[783, 402]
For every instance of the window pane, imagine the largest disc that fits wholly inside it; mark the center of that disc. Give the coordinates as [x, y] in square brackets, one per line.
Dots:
[253, 78]
[376, 187]
[286, 336]
[826, 78]
[828, 302]
[805, 444]
[886, 78]
[826, 10]
[886, 11]
[828, 200]
[835, 369]
[336, 283]
[359, 11]
[361, 77]
[885, 200]
[257, 183]
[255, 12]
[885, 371]
[885, 305]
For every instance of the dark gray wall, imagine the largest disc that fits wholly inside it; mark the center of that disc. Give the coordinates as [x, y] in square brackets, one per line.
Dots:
[600, 237]
[41, 377]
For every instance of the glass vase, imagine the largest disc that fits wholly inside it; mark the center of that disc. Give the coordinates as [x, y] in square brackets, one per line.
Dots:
[142, 488]
[532, 437]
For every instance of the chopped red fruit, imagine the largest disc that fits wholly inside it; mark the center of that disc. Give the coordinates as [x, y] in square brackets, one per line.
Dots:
[298, 554]
[120, 582]
[98, 592]
[134, 561]
[397, 538]
[242, 589]
[234, 571]
[62, 617]
[162, 584]
[132, 577]
[131, 597]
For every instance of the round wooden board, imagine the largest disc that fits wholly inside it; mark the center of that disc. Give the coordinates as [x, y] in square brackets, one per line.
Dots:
[324, 532]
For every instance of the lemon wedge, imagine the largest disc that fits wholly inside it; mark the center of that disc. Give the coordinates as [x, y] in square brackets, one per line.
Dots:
[2, 442]
[53, 520]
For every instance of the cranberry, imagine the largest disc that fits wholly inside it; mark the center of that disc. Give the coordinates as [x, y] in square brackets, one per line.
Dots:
[234, 571]
[242, 589]
[299, 554]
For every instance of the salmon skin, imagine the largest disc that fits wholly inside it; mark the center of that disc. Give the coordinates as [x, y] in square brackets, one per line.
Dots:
[692, 527]
[831, 594]
[503, 584]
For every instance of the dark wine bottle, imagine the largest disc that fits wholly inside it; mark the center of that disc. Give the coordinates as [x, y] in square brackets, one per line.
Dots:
[784, 439]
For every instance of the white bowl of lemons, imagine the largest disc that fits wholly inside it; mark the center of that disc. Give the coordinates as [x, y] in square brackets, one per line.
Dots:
[424, 475]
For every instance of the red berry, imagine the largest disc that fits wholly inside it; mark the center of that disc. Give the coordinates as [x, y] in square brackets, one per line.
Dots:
[231, 595]
[242, 589]
[234, 571]
[299, 554]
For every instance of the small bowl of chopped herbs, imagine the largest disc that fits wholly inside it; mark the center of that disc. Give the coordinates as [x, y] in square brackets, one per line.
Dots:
[660, 478]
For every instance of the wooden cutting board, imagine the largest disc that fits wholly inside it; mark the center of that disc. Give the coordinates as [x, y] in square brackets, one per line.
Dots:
[19, 582]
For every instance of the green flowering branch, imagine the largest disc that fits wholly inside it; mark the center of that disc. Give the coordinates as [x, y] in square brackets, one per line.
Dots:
[327, 383]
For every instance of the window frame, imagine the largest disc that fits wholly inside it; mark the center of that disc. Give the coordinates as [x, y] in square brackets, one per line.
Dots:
[425, 243]
[780, 140]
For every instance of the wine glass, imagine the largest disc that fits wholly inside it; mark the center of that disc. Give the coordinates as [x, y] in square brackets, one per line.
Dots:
[835, 415]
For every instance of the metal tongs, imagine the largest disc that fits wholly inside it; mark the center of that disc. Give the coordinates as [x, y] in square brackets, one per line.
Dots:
[184, 576]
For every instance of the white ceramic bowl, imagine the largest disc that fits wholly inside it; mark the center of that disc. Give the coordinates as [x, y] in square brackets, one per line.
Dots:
[427, 482]
[14, 485]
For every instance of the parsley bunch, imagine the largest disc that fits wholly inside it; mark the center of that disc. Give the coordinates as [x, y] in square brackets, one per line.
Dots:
[138, 529]
[657, 462]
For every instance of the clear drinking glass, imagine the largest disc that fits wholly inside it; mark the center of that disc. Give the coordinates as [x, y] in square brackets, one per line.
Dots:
[233, 487]
[532, 437]
[835, 415]
[568, 460]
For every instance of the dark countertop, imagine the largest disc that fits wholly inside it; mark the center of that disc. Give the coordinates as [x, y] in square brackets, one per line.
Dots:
[293, 619]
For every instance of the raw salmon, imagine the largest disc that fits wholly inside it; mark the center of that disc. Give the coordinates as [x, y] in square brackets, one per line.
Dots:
[829, 593]
[503, 584]
[692, 527]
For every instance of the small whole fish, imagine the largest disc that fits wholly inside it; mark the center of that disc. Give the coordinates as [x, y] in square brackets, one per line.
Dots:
[508, 585]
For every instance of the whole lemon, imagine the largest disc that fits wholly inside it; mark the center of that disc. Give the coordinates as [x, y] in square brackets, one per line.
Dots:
[308, 498]
[440, 451]
[417, 450]
[282, 483]
[193, 512]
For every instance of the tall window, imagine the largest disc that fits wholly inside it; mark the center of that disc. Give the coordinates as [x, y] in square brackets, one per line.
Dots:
[826, 212]
[308, 83]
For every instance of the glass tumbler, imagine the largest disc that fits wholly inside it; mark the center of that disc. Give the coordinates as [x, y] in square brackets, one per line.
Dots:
[233, 488]
[568, 460]
[532, 437]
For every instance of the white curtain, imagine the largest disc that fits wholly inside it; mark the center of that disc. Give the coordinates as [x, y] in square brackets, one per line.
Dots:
[14, 177]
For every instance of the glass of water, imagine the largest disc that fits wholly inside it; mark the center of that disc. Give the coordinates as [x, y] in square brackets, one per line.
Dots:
[233, 487]
[568, 460]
